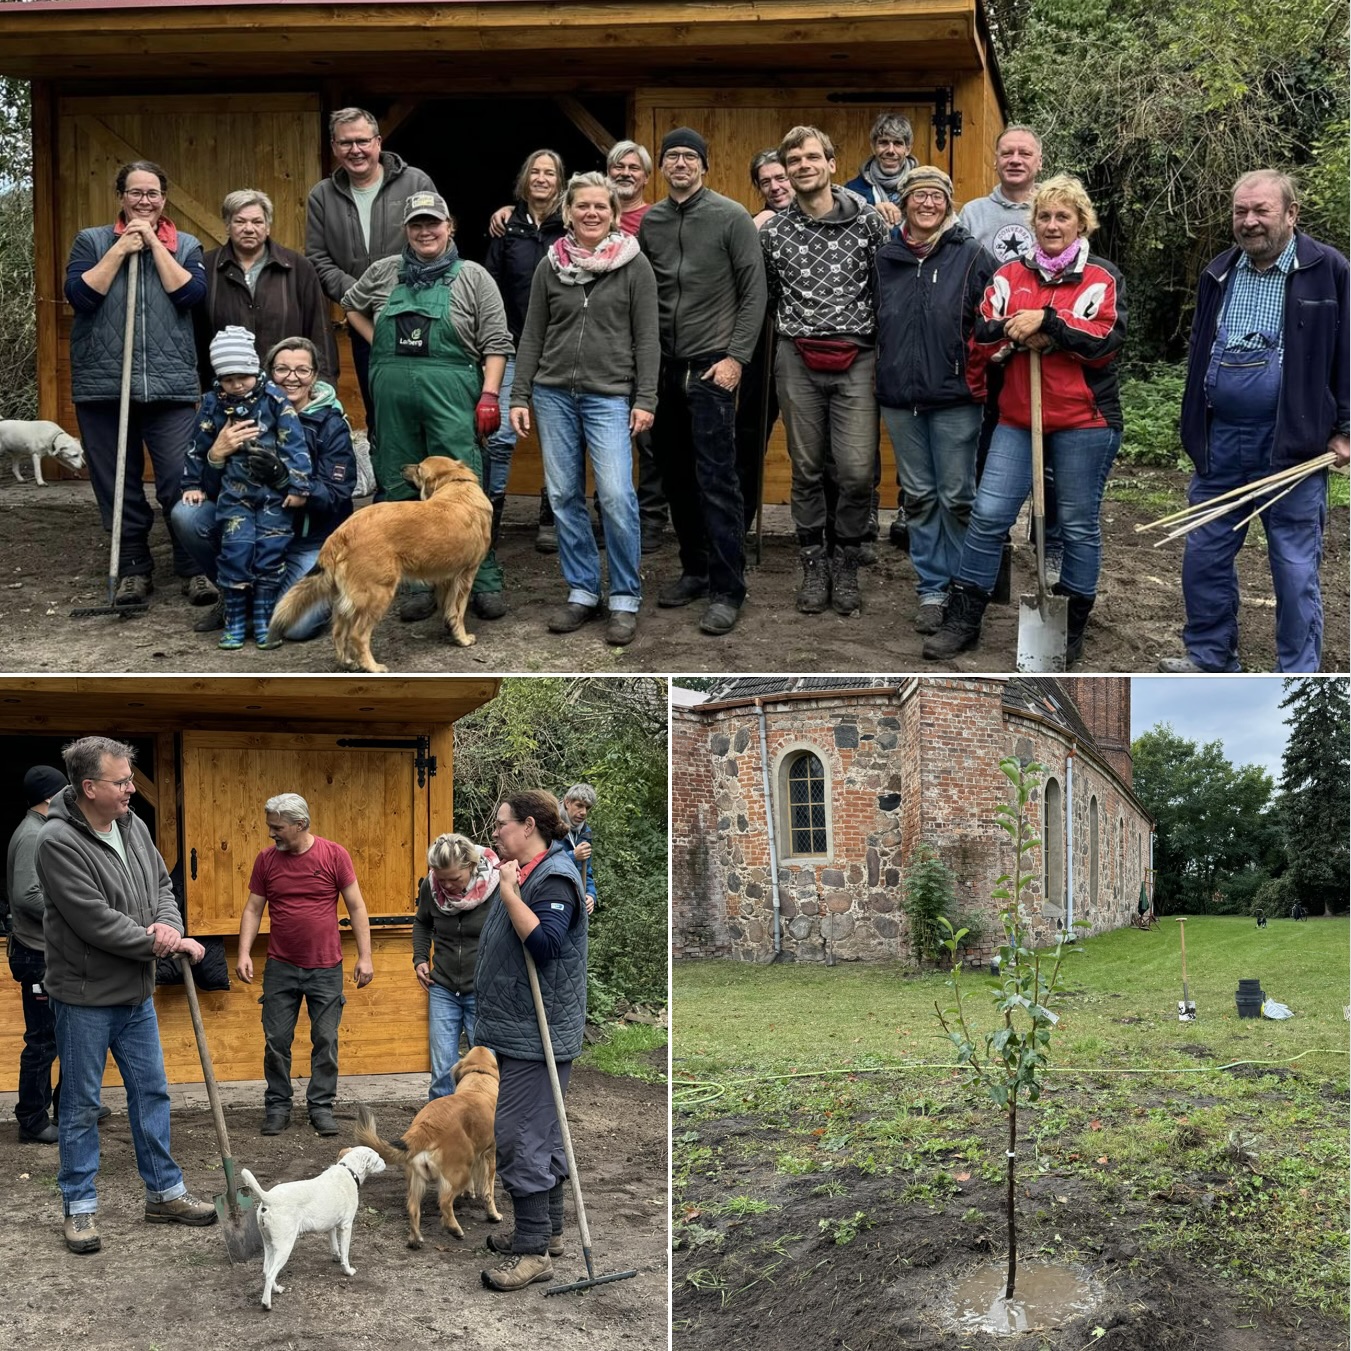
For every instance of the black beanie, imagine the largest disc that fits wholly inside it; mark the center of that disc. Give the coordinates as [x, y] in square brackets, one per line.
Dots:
[684, 138]
[41, 783]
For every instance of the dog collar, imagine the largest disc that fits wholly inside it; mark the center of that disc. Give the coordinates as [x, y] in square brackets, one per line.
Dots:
[467, 1073]
[343, 1163]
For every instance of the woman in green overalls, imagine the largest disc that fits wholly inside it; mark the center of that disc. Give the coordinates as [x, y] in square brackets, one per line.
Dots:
[439, 347]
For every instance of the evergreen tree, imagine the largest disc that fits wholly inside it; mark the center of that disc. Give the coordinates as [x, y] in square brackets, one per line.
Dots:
[1315, 784]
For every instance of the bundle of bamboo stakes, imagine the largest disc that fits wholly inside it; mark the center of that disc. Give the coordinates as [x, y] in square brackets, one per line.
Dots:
[1272, 488]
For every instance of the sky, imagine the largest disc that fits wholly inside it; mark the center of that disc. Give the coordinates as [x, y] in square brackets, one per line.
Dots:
[1242, 712]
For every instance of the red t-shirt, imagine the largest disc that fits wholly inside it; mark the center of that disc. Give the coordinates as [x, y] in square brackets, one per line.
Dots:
[630, 220]
[301, 891]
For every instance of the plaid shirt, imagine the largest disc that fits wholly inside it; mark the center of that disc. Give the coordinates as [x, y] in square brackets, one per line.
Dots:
[1256, 303]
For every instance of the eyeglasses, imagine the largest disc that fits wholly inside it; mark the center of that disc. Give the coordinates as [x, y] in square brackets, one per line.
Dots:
[510, 821]
[357, 143]
[128, 782]
[929, 198]
[681, 157]
[284, 373]
[144, 194]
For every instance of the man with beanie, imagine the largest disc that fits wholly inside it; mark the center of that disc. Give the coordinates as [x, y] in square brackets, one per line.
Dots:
[250, 455]
[711, 304]
[110, 912]
[28, 962]
[819, 262]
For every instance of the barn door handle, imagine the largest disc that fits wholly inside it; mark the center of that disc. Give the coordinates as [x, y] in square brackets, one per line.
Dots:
[192, 859]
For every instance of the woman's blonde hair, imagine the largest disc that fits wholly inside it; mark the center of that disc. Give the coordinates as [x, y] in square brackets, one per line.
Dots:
[453, 851]
[1066, 188]
[589, 180]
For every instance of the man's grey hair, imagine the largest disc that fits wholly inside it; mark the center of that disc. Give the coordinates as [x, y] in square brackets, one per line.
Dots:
[1288, 188]
[622, 148]
[84, 758]
[1017, 126]
[894, 127]
[236, 201]
[345, 115]
[583, 793]
[290, 807]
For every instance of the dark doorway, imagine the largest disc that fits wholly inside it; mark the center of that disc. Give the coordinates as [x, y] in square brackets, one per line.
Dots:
[474, 148]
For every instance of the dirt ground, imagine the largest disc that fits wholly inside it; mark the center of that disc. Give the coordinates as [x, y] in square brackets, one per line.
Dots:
[53, 557]
[169, 1288]
[777, 1280]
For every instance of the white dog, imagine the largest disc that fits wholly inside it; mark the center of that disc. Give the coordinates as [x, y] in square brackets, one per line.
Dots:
[32, 440]
[318, 1205]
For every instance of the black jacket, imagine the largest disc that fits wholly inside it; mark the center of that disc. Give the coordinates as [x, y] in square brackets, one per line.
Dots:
[512, 261]
[926, 308]
[454, 936]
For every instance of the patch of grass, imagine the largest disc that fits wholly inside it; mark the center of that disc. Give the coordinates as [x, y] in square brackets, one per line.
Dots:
[842, 1232]
[1339, 490]
[1152, 494]
[745, 1205]
[627, 1052]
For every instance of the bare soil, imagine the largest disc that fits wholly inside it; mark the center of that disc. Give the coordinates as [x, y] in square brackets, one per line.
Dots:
[777, 1280]
[173, 1288]
[53, 557]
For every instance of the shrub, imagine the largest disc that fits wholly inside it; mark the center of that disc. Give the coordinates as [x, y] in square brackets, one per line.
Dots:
[1274, 897]
[927, 897]
[1151, 402]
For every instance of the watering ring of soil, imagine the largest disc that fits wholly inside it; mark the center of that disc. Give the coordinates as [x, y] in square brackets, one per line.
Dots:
[1046, 1295]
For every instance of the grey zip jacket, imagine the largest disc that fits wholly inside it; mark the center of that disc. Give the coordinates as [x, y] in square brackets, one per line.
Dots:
[333, 241]
[99, 910]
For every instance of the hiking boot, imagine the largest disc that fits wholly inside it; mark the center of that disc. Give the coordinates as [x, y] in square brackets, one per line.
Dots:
[48, 1135]
[501, 1243]
[133, 590]
[518, 1271]
[1182, 666]
[276, 1121]
[200, 590]
[186, 1209]
[622, 628]
[867, 553]
[929, 617]
[546, 540]
[212, 619]
[1078, 610]
[489, 604]
[961, 623]
[264, 602]
[417, 605]
[570, 617]
[682, 591]
[813, 596]
[235, 599]
[82, 1234]
[720, 618]
[899, 534]
[321, 1118]
[845, 598]
[651, 539]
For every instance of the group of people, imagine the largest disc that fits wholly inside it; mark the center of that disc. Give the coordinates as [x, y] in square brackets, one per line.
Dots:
[609, 323]
[95, 908]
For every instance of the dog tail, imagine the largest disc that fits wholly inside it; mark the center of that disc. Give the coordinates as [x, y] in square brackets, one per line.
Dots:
[251, 1183]
[306, 593]
[394, 1152]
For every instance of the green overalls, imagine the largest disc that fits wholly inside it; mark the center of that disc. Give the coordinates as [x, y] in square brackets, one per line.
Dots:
[425, 387]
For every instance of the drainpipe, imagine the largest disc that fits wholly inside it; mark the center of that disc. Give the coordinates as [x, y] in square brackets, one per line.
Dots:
[769, 822]
[1069, 841]
[1149, 890]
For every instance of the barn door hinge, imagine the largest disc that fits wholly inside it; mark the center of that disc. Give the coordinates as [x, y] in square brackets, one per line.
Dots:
[946, 118]
[423, 760]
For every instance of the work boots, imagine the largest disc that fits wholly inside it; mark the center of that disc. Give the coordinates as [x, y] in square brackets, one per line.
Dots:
[235, 608]
[961, 624]
[814, 594]
[845, 597]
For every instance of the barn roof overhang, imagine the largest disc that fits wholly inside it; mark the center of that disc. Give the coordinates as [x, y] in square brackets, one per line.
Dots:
[100, 704]
[305, 41]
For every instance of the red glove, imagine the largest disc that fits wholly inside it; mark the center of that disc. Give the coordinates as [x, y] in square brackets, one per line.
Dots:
[487, 415]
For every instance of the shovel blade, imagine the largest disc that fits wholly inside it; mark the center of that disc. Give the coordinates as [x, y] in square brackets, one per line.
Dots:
[1042, 633]
[239, 1227]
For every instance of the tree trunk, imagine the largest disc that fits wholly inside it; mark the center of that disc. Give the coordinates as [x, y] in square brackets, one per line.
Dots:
[1013, 1227]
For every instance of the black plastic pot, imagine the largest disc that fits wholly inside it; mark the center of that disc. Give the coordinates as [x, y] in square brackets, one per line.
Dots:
[1249, 998]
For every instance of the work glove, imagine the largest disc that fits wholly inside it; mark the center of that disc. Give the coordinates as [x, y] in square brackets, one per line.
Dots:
[487, 415]
[267, 469]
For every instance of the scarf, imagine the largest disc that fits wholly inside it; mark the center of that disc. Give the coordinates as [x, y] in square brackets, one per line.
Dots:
[165, 231]
[923, 248]
[578, 266]
[419, 276]
[872, 171]
[1062, 262]
[482, 884]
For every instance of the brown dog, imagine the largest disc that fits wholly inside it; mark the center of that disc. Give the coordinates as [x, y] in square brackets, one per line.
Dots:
[442, 539]
[450, 1143]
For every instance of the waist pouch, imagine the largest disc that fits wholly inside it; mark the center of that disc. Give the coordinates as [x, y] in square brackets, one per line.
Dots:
[826, 354]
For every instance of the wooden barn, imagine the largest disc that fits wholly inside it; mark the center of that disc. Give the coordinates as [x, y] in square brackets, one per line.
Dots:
[236, 95]
[373, 758]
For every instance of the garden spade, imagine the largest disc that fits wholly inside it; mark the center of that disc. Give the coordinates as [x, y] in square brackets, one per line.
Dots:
[1043, 619]
[1186, 1010]
[238, 1220]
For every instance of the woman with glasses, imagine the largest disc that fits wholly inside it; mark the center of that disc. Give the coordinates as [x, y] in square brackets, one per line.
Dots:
[928, 281]
[164, 384]
[293, 366]
[256, 283]
[540, 909]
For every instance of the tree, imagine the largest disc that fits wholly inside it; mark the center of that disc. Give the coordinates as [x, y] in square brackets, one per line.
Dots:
[1212, 821]
[928, 897]
[1315, 785]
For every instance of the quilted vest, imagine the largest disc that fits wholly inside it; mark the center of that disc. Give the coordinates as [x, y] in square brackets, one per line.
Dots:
[164, 362]
[504, 1019]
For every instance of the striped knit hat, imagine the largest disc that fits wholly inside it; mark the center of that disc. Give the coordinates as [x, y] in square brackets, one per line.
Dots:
[924, 176]
[233, 352]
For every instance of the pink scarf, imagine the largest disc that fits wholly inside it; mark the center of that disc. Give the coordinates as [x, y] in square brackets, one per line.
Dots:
[1062, 262]
[482, 884]
[577, 266]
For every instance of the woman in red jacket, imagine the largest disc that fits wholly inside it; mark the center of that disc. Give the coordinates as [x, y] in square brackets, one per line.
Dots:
[1068, 305]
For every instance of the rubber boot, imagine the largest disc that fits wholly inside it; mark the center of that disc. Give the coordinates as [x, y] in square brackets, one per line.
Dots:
[814, 594]
[961, 624]
[1003, 584]
[1079, 608]
[264, 602]
[845, 597]
[235, 601]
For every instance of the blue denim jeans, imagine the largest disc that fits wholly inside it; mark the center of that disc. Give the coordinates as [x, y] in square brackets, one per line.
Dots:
[936, 468]
[197, 531]
[498, 448]
[1082, 459]
[571, 426]
[84, 1036]
[447, 1013]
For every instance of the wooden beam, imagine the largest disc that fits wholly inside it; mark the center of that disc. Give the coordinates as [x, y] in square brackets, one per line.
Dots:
[398, 114]
[166, 815]
[46, 261]
[590, 127]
